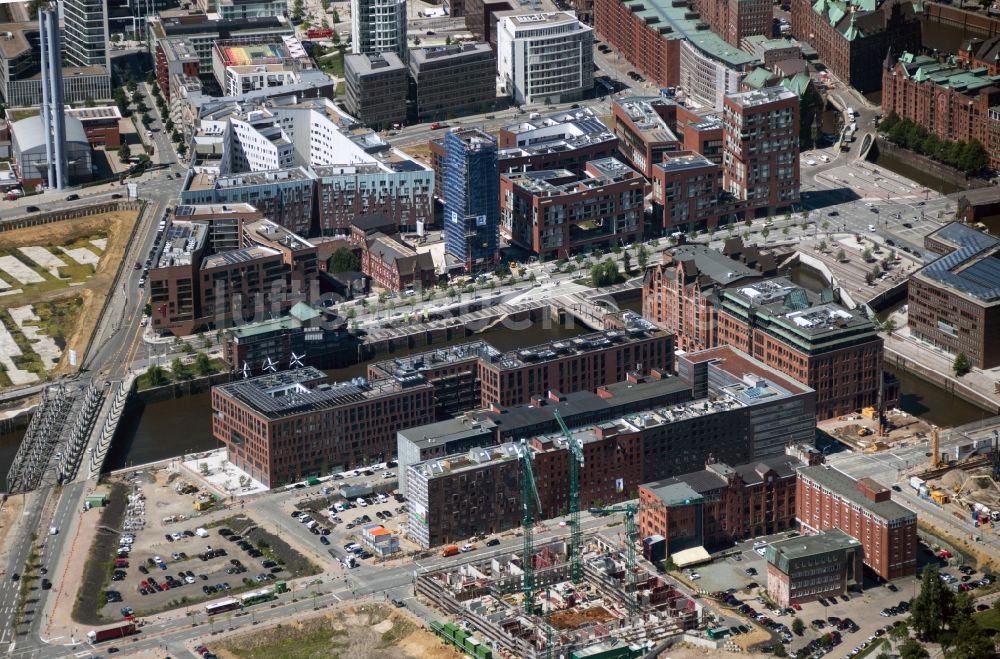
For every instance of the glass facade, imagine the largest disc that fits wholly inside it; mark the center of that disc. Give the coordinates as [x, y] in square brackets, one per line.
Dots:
[471, 198]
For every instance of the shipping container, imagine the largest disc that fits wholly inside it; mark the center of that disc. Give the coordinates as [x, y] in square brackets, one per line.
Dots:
[916, 482]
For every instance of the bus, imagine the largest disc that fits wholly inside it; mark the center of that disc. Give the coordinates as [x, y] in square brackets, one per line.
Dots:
[221, 607]
[258, 597]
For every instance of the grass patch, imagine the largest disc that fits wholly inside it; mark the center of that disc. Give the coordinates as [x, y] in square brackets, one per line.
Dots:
[56, 318]
[989, 619]
[341, 89]
[28, 360]
[100, 561]
[313, 639]
[18, 115]
[401, 628]
[332, 63]
[188, 371]
[76, 272]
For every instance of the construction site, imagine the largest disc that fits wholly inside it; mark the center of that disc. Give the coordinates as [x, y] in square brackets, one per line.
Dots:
[615, 608]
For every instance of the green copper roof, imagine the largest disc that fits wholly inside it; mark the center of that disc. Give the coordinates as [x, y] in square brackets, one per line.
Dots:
[852, 31]
[797, 84]
[758, 78]
[820, 7]
[662, 14]
[836, 12]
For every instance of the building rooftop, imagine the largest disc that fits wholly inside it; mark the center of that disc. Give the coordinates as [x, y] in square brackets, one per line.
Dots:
[181, 240]
[680, 163]
[711, 263]
[364, 64]
[796, 307]
[298, 391]
[471, 460]
[757, 97]
[554, 182]
[267, 49]
[637, 328]
[554, 132]
[782, 552]
[192, 211]
[675, 21]
[275, 234]
[208, 181]
[98, 113]
[840, 483]
[237, 256]
[641, 111]
[421, 56]
[745, 374]
[541, 20]
[689, 488]
[420, 362]
[972, 269]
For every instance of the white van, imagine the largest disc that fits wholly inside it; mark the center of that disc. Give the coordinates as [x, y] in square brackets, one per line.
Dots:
[201, 533]
[361, 502]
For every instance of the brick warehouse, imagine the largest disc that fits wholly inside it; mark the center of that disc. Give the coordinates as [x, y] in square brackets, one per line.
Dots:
[951, 100]
[829, 499]
[850, 37]
[720, 505]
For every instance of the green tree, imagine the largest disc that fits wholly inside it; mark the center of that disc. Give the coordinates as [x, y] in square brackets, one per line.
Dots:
[335, 17]
[971, 643]
[202, 364]
[627, 263]
[779, 650]
[343, 260]
[866, 254]
[889, 326]
[841, 255]
[798, 626]
[642, 257]
[604, 274]
[177, 368]
[928, 609]
[913, 649]
[825, 225]
[156, 376]
[961, 365]
[124, 152]
[822, 245]
[766, 232]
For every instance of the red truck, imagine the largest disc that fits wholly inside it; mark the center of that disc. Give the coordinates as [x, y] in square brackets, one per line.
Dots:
[118, 631]
[319, 33]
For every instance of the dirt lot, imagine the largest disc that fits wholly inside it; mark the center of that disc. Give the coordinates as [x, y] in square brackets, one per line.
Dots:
[374, 632]
[178, 547]
[116, 227]
[574, 619]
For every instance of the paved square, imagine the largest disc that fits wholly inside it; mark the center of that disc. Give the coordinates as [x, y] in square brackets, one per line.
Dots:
[44, 258]
[82, 255]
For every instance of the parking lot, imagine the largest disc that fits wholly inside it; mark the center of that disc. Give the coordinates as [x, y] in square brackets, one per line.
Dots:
[182, 558]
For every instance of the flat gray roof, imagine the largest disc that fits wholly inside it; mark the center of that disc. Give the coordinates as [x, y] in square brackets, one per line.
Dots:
[846, 487]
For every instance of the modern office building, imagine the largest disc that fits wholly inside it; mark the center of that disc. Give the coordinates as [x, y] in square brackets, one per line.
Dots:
[285, 426]
[667, 42]
[761, 154]
[241, 10]
[545, 58]
[378, 26]
[720, 505]
[556, 214]
[950, 98]
[198, 281]
[376, 87]
[85, 24]
[851, 37]
[304, 337]
[830, 499]
[202, 30]
[737, 413]
[954, 301]
[806, 568]
[436, 72]
[471, 183]
[53, 117]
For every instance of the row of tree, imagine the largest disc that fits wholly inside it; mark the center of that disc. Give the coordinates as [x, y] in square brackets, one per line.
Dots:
[970, 157]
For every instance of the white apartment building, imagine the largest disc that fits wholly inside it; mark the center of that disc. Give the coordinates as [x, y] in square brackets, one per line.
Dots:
[257, 144]
[378, 26]
[545, 56]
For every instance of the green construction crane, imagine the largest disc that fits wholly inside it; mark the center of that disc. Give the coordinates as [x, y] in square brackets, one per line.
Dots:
[575, 462]
[631, 537]
[529, 497]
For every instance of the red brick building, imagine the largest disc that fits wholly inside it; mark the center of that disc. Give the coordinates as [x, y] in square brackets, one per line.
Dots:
[677, 293]
[555, 214]
[100, 124]
[734, 20]
[720, 505]
[174, 56]
[851, 37]
[806, 568]
[829, 499]
[951, 101]
[395, 266]
[689, 194]
[289, 425]
[640, 41]
[761, 154]
[643, 126]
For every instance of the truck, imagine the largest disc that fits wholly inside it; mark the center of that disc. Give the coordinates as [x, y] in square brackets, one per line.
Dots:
[940, 496]
[319, 33]
[108, 633]
[985, 512]
[450, 550]
[916, 482]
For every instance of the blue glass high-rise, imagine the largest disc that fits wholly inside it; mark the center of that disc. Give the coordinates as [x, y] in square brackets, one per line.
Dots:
[471, 183]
